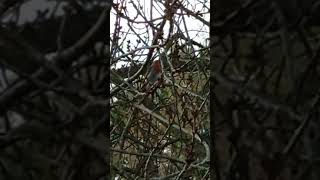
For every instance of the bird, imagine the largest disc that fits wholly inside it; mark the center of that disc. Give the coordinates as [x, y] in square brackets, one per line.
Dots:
[155, 72]
[154, 76]
[153, 80]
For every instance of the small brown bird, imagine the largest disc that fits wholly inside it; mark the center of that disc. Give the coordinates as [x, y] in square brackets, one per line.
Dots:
[153, 80]
[155, 72]
[154, 76]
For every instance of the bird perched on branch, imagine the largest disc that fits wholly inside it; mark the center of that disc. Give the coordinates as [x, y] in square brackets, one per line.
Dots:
[154, 76]
[155, 72]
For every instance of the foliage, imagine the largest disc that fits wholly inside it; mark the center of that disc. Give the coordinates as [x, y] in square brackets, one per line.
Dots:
[157, 134]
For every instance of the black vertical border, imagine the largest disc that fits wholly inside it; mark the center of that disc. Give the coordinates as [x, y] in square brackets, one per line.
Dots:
[214, 164]
[108, 60]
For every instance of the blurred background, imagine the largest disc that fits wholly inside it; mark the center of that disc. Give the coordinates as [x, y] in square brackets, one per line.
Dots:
[53, 76]
[265, 61]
